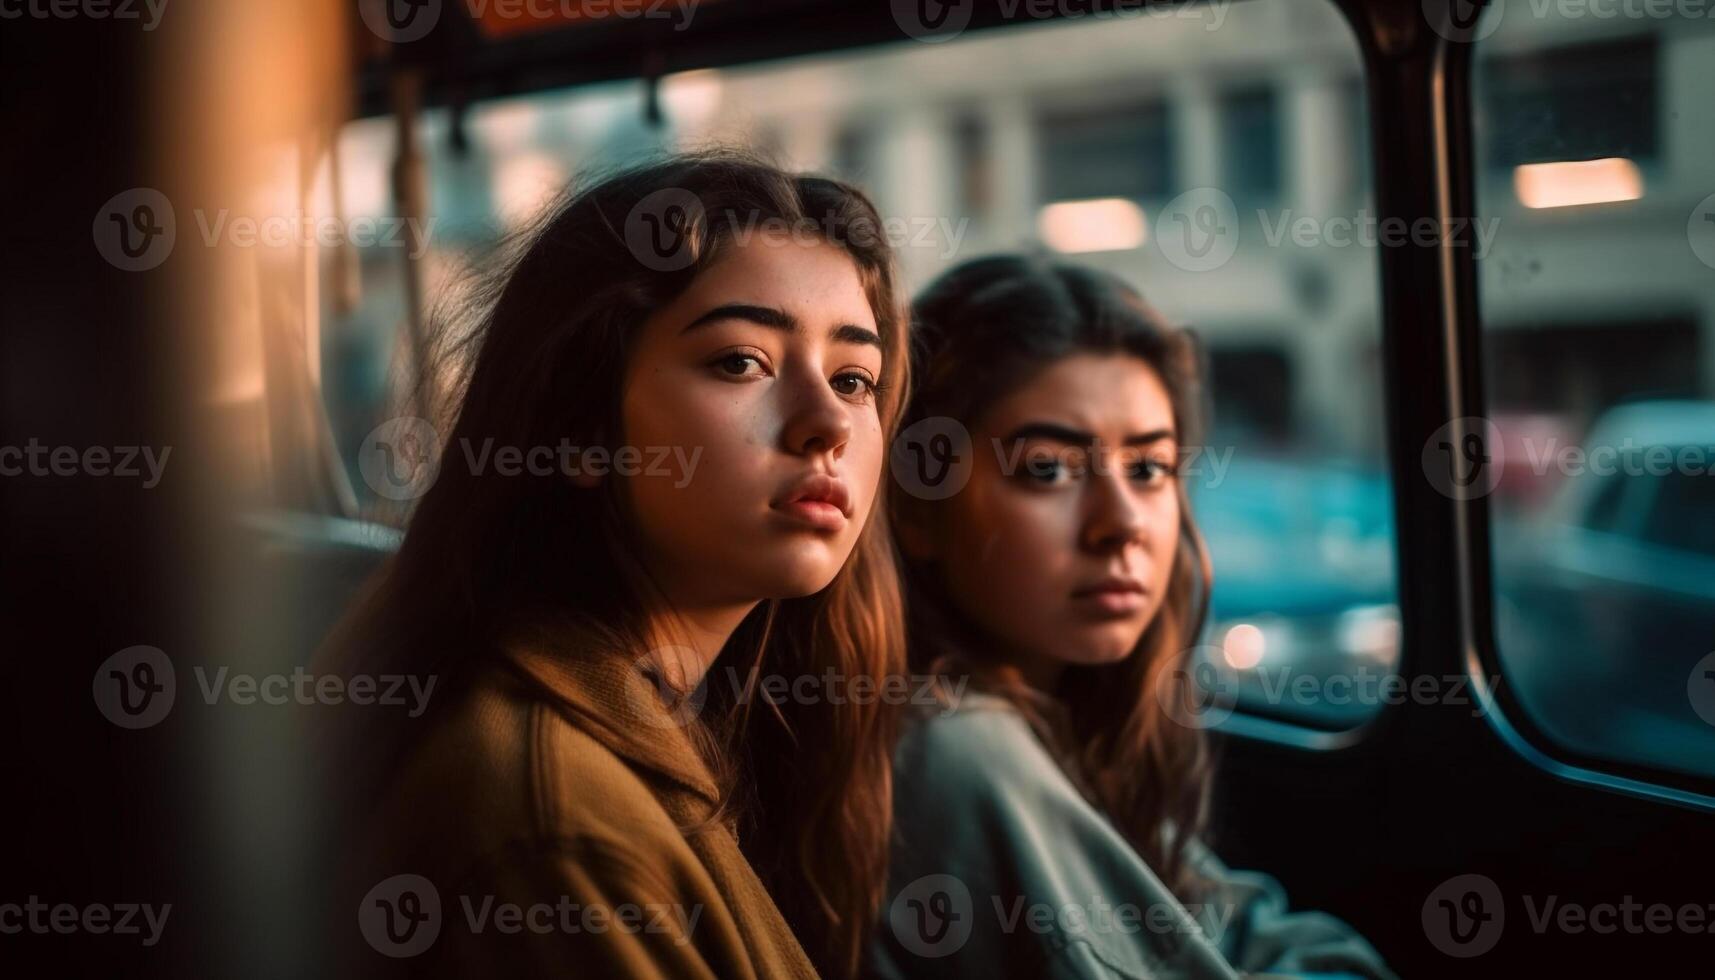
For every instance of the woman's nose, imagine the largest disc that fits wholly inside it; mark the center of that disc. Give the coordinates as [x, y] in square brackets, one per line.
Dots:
[816, 419]
[1116, 518]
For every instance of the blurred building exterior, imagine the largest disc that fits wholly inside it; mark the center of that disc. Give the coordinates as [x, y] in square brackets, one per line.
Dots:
[979, 144]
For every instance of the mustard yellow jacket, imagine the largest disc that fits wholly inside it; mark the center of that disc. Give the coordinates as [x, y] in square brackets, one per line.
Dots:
[535, 831]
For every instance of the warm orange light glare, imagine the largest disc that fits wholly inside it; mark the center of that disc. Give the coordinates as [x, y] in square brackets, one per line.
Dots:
[1571, 182]
[1105, 224]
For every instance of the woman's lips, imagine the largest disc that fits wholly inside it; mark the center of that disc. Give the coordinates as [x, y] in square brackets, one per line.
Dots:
[818, 514]
[1116, 596]
[816, 500]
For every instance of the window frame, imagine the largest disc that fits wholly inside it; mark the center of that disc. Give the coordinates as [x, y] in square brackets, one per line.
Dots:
[1458, 171]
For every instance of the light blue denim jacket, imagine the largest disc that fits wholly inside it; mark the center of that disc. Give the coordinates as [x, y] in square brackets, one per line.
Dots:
[1001, 868]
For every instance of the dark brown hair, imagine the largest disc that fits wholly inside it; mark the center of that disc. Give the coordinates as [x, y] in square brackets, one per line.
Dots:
[483, 560]
[983, 329]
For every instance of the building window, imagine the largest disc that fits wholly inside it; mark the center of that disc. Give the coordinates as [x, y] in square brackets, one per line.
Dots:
[1121, 152]
[1251, 387]
[974, 164]
[1577, 102]
[1250, 142]
[852, 150]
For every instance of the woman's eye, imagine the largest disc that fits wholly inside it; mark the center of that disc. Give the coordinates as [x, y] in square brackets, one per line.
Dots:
[1048, 470]
[1150, 471]
[852, 383]
[740, 365]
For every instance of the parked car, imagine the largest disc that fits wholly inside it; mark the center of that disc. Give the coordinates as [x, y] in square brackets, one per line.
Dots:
[1304, 584]
[1611, 587]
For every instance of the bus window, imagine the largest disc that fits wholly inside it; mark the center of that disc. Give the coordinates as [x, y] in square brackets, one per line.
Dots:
[1213, 155]
[1595, 138]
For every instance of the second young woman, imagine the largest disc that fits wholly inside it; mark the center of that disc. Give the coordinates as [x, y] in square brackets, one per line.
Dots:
[1048, 825]
[660, 478]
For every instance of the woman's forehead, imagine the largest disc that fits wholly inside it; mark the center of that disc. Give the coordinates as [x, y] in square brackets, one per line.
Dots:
[1112, 396]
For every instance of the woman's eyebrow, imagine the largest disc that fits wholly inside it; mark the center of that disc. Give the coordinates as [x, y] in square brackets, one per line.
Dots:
[1078, 437]
[851, 333]
[1145, 438]
[1053, 431]
[766, 316]
[775, 319]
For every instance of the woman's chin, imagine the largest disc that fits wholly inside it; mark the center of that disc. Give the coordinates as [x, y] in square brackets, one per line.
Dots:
[1105, 645]
[800, 571]
[800, 585]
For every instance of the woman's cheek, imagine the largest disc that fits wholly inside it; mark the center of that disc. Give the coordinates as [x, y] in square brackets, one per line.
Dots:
[1019, 578]
[721, 420]
[704, 430]
[1166, 540]
[1025, 538]
[1046, 523]
[864, 462]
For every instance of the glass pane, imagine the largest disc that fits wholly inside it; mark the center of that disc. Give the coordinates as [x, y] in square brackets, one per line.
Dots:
[1122, 151]
[1597, 143]
[1250, 126]
[1212, 155]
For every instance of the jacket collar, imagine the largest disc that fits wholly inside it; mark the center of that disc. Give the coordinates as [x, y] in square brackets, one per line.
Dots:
[619, 706]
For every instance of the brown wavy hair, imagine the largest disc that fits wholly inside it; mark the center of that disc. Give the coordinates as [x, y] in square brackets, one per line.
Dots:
[486, 560]
[983, 329]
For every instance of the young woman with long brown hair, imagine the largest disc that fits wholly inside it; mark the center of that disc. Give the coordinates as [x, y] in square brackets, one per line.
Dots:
[1048, 825]
[659, 480]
